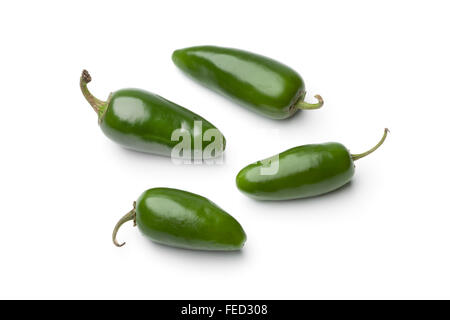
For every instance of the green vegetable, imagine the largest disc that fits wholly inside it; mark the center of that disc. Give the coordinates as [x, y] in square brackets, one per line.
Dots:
[183, 219]
[300, 172]
[146, 122]
[254, 81]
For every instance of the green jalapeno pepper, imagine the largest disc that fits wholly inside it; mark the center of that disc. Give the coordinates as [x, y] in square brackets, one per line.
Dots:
[254, 81]
[143, 121]
[300, 172]
[183, 219]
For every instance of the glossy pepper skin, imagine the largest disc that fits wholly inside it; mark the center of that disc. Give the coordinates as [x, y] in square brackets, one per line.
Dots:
[259, 83]
[143, 121]
[304, 171]
[186, 220]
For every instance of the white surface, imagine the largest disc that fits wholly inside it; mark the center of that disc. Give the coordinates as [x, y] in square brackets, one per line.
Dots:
[64, 185]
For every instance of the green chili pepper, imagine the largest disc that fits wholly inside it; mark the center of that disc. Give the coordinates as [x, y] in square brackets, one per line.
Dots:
[300, 172]
[183, 219]
[254, 81]
[146, 122]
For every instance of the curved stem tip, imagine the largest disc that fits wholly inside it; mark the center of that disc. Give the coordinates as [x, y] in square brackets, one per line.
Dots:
[310, 106]
[130, 216]
[362, 155]
[97, 104]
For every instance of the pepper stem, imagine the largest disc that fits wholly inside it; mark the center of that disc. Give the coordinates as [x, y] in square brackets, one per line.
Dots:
[362, 155]
[309, 106]
[128, 217]
[98, 105]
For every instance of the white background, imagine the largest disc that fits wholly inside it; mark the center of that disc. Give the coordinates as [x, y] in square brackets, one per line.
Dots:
[64, 185]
